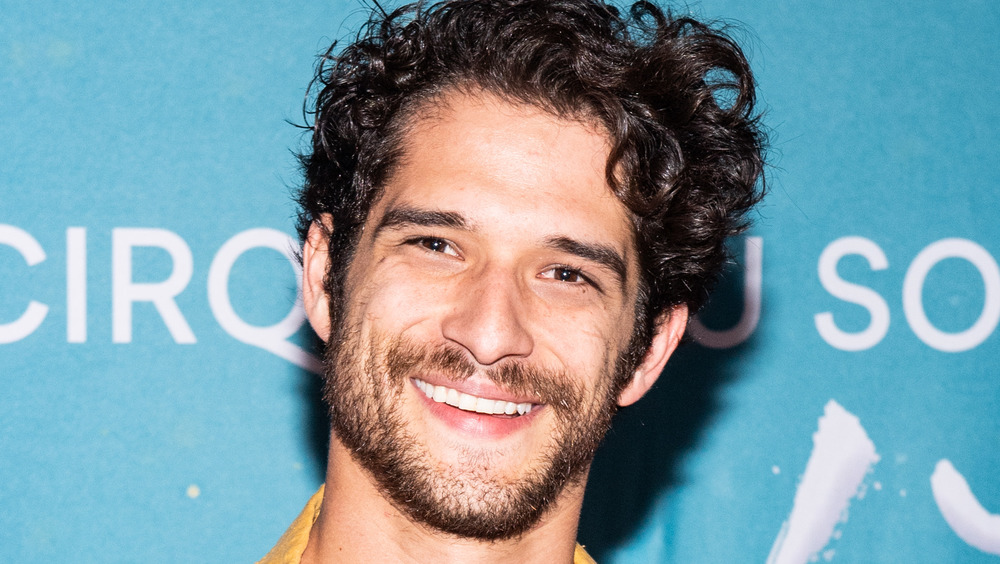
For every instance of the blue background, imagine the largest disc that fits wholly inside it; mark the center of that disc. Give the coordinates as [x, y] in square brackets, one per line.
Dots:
[885, 121]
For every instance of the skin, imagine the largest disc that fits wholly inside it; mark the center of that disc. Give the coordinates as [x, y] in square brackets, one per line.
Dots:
[527, 272]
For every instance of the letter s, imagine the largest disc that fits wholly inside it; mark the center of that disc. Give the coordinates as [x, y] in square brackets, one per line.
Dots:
[853, 293]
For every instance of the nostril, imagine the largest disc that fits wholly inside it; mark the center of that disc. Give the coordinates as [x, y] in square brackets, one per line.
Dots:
[490, 324]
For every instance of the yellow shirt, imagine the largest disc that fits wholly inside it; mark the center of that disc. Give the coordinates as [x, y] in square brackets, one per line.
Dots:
[291, 544]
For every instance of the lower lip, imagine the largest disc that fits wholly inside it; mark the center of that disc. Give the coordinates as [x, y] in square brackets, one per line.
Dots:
[478, 425]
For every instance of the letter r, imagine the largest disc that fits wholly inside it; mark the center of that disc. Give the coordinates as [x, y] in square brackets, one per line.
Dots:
[125, 292]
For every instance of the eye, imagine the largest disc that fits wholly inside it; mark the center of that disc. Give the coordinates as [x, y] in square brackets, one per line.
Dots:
[434, 244]
[566, 274]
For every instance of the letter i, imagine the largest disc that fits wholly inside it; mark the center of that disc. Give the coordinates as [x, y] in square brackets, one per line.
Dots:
[76, 285]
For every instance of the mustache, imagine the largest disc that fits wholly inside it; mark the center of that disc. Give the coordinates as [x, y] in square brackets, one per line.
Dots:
[555, 388]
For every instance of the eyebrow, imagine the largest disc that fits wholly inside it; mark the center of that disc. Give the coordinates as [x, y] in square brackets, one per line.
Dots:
[404, 216]
[409, 216]
[601, 254]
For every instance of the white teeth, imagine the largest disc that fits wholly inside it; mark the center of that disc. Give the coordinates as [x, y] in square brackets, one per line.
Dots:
[484, 405]
[468, 402]
[440, 393]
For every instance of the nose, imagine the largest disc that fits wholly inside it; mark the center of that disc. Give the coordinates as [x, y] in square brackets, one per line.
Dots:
[488, 318]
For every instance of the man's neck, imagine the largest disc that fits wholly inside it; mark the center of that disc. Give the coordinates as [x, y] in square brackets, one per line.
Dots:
[357, 524]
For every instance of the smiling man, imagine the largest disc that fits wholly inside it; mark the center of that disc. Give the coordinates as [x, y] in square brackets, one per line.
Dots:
[511, 208]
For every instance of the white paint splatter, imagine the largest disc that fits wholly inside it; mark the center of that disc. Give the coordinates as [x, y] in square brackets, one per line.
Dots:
[963, 512]
[842, 454]
[776, 470]
[193, 491]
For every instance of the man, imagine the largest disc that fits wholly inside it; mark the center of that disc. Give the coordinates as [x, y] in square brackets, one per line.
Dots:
[510, 210]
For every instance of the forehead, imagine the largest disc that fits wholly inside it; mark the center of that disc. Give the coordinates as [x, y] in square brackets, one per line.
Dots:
[508, 164]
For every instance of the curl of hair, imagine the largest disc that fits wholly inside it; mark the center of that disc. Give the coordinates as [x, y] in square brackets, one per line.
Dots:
[674, 95]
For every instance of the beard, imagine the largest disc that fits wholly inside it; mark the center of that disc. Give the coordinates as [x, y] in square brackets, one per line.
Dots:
[363, 386]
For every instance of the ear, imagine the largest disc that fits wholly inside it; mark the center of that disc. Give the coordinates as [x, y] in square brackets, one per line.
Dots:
[669, 330]
[315, 263]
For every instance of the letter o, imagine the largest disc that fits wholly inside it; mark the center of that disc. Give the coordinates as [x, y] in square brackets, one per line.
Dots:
[913, 288]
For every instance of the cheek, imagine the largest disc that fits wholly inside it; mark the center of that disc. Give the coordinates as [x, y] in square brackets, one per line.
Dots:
[590, 321]
[581, 342]
[393, 300]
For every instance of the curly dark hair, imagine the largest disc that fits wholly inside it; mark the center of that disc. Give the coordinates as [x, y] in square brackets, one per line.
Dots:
[675, 97]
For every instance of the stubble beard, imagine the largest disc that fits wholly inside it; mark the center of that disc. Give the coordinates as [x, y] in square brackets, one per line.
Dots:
[363, 386]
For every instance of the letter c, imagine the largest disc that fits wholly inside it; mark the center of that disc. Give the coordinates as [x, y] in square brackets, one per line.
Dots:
[28, 246]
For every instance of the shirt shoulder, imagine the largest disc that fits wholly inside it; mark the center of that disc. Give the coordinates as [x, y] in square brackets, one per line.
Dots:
[580, 556]
[291, 544]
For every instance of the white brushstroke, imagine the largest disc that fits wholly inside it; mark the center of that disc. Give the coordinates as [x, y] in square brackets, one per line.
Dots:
[842, 454]
[963, 512]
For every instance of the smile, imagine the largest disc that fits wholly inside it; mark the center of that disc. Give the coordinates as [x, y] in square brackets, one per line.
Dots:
[468, 402]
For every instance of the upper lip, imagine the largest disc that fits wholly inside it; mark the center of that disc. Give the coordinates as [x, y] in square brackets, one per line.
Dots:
[476, 386]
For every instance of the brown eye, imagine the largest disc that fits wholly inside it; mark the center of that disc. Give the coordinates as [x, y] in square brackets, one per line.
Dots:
[436, 245]
[568, 275]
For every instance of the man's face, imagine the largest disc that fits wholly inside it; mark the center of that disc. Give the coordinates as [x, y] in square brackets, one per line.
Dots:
[488, 302]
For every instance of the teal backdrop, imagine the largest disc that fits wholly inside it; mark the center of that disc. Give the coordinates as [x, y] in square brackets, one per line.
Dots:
[156, 398]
